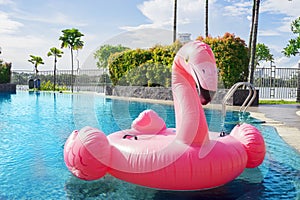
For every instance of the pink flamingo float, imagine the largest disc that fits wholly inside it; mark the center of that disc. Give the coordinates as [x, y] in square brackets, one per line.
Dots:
[185, 158]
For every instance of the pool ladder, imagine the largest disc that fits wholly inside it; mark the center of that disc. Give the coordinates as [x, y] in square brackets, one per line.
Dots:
[248, 101]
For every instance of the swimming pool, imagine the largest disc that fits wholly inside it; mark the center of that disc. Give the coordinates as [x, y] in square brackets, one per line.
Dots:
[34, 127]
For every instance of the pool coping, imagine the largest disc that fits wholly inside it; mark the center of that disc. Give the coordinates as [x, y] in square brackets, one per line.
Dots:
[291, 135]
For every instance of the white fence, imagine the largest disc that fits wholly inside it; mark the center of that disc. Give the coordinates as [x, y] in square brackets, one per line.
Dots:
[273, 83]
[277, 83]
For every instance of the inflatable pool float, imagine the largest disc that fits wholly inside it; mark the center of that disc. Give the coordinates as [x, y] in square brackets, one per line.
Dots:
[185, 158]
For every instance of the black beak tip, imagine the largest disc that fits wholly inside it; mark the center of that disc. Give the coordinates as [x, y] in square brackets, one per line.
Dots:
[206, 96]
[205, 101]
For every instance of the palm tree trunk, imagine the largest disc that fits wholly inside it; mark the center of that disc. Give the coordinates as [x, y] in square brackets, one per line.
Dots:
[253, 42]
[206, 18]
[175, 21]
[54, 72]
[298, 87]
[72, 75]
[35, 70]
[251, 29]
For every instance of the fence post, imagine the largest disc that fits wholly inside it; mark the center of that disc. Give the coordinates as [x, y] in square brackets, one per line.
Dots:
[272, 80]
[298, 85]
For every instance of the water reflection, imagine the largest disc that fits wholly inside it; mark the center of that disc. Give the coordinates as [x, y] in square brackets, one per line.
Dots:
[106, 188]
[5, 97]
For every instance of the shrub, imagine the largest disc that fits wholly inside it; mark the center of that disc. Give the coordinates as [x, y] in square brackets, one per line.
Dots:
[153, 67]
[48, 86]
[121, 63]
[5, 72]
[231, 58]
[150, 67]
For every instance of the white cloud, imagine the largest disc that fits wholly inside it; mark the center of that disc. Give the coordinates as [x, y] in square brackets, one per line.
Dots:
[142, 26]
[285, 25]
[290, 10]
[238, 9]
[283, 61]
[6, 2]
[8, 25]
[22, 42]
[50, 18]
[16, 49]
[268, 33]
[160, 13]
[287, 7]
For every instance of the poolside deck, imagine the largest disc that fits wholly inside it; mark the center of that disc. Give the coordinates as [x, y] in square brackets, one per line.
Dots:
[285, 118]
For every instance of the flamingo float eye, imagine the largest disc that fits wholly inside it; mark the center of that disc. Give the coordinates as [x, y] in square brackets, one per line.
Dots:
[203, 70]
[187, 59]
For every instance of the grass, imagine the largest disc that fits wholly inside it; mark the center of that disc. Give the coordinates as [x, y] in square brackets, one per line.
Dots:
[277, 102]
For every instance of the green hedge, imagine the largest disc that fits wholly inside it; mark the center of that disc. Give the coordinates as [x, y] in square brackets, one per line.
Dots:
[49, 86]
[151, 67]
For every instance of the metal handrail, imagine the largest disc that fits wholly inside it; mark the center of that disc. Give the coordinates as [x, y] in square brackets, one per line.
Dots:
[234, 88]
[248, 101]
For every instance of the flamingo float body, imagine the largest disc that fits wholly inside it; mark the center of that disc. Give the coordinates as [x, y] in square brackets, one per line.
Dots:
[185, 158]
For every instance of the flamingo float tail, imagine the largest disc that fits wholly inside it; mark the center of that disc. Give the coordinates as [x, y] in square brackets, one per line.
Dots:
[253, 143]
[86, 152]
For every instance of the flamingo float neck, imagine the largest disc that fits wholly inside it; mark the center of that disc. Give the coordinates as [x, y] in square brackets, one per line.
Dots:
[194, 64]
[191, 123]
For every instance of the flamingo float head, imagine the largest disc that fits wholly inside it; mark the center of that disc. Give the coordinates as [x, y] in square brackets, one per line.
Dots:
[198, 60]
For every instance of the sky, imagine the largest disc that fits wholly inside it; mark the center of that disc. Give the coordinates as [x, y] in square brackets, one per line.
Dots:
[32, 27]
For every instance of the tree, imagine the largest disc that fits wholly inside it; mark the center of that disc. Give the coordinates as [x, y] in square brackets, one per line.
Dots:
[56, 53]
[71, 38]
[103, 53]
[262, 54]
[293, 47]
[36, 60]
[253, 39]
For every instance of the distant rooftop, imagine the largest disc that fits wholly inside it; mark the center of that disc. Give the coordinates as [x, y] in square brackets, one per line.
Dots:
[184, 37]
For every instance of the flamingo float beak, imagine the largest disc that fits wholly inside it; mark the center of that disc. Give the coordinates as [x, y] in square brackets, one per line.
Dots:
[205, 95]
[199, 61]
[206, 78]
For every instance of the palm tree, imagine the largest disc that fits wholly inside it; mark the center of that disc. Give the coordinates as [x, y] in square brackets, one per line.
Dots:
[57, 53]
[253, 39]
[71, 39]
[36, 60]
[206, 18]
[175, 21]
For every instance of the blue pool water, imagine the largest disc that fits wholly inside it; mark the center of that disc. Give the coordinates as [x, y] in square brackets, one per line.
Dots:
[35, 126]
